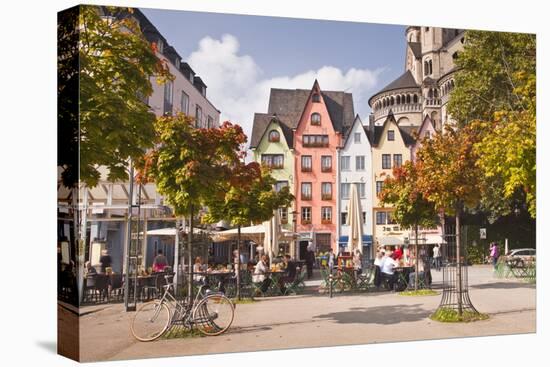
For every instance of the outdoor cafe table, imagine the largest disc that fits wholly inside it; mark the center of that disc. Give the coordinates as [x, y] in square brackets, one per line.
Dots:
[402, 278]
[275, 276]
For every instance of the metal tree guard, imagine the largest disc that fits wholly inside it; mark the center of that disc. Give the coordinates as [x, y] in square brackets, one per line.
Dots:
[455, 295]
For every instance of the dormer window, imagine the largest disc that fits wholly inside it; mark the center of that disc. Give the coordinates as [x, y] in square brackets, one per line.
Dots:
[274, 136]
[160, 46]
[315, 119]
[316, 98]
[391, 135]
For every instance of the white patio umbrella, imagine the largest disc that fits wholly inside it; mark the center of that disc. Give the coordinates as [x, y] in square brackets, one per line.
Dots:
[355, 222]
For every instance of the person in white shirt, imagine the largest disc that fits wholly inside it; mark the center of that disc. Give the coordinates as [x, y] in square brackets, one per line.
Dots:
[377, 267]
[412, 276]
[260, 274]
[386, 270]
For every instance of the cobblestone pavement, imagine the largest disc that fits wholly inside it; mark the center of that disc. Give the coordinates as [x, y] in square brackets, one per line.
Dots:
[316, 320]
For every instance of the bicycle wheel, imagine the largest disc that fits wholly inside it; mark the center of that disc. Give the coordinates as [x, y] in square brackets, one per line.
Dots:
[213, 315]
[150, 321]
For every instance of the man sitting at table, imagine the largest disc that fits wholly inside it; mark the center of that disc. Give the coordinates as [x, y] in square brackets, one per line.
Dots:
[159, 262]
[289, 274]
[386, 270]
[260, 274]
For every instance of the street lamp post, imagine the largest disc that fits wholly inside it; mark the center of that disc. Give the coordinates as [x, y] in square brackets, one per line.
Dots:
[294, 220]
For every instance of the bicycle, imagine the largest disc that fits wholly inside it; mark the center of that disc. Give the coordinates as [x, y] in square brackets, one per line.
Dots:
[211, 312]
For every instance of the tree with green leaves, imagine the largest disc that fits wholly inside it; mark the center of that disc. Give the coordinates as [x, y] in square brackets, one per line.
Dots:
[411, 208]
[496, 91]
[190, 165]
[248, 196]
[449, 177]
[104, 70]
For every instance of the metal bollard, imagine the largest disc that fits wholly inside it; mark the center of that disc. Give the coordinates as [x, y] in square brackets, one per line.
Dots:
[330, 282]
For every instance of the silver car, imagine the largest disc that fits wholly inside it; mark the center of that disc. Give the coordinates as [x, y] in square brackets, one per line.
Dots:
[521, 255]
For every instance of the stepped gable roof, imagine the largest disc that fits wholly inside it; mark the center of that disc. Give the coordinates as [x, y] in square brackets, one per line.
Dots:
[259, 127]
[406, 80]
[416, 48]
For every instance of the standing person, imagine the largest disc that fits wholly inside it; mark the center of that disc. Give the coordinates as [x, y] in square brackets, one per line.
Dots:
[159, 262]
[310, 259]
[377, 266]
[331, 259]
[397, 253]
[105, 260]
[197, 269]
[437, 257]
[387, 272]
[495, 254]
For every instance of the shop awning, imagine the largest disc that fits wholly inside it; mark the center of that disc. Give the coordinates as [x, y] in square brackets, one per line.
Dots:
[367, 240]
[427, 239]
[391, 240]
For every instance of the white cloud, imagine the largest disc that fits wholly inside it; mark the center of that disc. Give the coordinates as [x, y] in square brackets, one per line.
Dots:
[237, 88]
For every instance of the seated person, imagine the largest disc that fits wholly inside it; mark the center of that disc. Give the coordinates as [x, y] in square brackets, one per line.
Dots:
[159, 262]
[289, 274]
[89, 270]
[260, 274]
[397, 254]
[377, 266]
[412, 275]
[198, 268]
[387, 272]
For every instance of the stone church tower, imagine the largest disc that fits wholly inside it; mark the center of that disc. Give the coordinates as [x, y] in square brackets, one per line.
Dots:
[423, 89]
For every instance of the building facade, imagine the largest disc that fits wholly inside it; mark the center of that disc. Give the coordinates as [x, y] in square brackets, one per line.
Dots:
[391, 147]
[355, 168]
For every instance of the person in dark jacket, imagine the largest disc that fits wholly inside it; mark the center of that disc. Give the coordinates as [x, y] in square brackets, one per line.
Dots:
[105, 261]
[310, 259]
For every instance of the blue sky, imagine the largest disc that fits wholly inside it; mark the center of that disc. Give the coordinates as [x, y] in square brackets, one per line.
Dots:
[240, 56]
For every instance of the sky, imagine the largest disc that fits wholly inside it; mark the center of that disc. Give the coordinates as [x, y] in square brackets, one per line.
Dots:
[240, 57]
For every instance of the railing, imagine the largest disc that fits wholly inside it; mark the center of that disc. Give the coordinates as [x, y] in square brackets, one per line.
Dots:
[407, 107]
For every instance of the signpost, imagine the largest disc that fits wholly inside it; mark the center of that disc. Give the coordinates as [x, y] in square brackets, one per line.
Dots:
[483, 233]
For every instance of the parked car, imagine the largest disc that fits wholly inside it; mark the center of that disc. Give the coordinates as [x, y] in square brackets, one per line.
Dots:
[521, 255]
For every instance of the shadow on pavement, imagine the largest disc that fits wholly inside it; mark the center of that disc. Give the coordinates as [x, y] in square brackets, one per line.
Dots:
[384, 315]
[502, 285]
[48, 345]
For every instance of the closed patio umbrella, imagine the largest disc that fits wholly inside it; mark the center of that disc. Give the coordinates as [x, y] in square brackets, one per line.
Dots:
[355, 221]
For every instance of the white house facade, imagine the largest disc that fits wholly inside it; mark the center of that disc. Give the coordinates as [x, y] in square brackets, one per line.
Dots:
[355, 168]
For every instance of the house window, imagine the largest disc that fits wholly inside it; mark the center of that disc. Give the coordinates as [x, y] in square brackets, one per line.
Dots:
[326, 191]
[316, 98]
[274, 136]
[315, 141]
[427, 29]
[344, 189]
[315, 119]
[391, 135]
[357, 137]
[168, 97]
[160, 46]
[360, 163]
[344, 218]
[209, 122]
[273, 161]
[345, 163]
[323, 241]
[283, 215]
[390, 218]
[326, 163]
[184, 103]
[306, 163]
[397, 160]
[361, 188]
[280, 184]
[386, 161]
[198, 116]
[306, 190]
[381, 218]
[379, 186]
[306, 215]
[427, 135]
[326, 215]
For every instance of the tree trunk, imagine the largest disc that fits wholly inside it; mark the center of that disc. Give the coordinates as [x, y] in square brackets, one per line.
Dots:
[238, 263]
[190, 256]
[458, 261]
[416, 258]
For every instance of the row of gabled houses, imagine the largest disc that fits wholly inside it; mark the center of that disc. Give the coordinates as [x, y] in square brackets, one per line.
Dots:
[315, 144]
